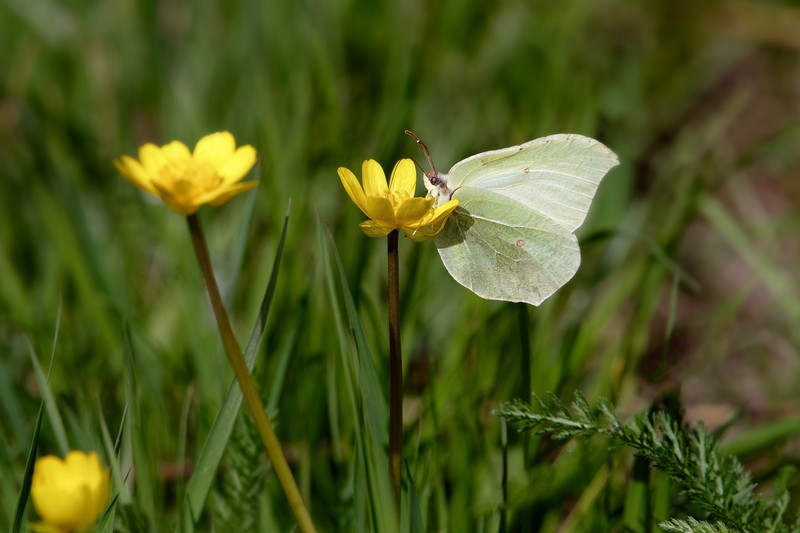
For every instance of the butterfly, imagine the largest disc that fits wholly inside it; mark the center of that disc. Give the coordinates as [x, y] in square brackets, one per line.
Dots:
[512, 235]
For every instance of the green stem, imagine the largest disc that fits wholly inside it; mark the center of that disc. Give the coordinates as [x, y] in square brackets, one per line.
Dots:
[395, 370]
[254, 403]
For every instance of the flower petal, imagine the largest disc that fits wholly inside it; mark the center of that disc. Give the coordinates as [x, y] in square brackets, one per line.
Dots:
[431, 225]
[442, 212]
[353, 188]
[373, 229]
[413, 211]
[238, 165]
[67, 508]
[380, 210]
[423, 233]
[404, 177]
[48, 467]
[175, 150]
[152, 159]
[181, 204]
[216, 148]
[220, 196]
[373, 178]
[134, 171]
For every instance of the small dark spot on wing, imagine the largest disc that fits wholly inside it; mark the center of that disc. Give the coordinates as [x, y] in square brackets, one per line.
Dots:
[520, 243]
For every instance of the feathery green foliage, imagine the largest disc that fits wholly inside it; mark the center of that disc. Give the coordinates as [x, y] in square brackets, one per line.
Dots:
[691, 525]
[244, 471]
[711, 479]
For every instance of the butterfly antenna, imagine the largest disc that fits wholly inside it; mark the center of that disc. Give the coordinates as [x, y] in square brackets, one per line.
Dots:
[424, 150]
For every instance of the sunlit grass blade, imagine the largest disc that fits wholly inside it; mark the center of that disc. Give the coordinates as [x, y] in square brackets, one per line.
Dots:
[44, 386]
[18, 524]
[111, 453]
[105, 524]
[367, 399]
[50, 405]
[582, 512]
[211, 454]
[118, 440]
[374, 400]
[763, 437]
[357, 487]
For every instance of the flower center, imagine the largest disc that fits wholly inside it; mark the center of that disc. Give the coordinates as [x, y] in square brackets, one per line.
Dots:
[188, 178]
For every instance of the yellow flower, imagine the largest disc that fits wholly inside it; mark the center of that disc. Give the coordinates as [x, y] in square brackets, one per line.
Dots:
[394, 206]
[187, 180]
[69, 494]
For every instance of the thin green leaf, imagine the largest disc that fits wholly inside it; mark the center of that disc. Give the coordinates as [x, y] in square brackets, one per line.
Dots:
[113, 462]
[211, 454]
[415, 524]
[105, 524]
[53, 415]
[279, 374]
[18, 524]
[373, 411]
[762, 437]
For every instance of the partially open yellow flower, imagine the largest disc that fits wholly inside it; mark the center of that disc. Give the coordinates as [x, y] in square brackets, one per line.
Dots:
[394, 206]
[69, 494]
[187, 180]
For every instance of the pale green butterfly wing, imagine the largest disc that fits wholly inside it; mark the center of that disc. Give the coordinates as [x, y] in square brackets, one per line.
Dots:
[502, 250]
[511, 238]
[556, 176]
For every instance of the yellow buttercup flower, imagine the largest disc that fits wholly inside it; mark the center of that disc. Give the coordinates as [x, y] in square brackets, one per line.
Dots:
[69, 494]
[185, 180]
[394, 206]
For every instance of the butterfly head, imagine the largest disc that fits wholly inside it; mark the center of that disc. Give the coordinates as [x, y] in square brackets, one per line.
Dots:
[435, 182]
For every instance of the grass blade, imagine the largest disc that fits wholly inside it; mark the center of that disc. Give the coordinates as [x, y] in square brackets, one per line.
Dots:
[414, 509]
[371, 411]
[50, 404]
[19, 516]
[211, 454]
[18, 524]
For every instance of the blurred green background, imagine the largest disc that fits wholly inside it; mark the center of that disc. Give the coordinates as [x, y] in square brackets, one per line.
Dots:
[690, 254]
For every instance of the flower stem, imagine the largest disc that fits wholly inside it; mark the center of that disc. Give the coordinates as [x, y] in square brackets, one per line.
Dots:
[254, 403]
[395, 370]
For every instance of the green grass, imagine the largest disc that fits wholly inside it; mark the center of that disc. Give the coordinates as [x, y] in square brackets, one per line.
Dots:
[688, 279]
